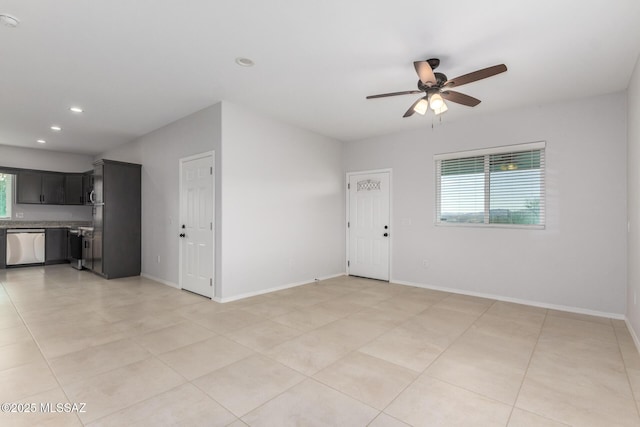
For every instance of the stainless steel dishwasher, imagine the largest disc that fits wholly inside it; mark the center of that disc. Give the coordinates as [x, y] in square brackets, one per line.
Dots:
[25, 246]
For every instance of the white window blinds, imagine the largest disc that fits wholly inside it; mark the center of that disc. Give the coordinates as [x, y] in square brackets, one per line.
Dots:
[498, 186]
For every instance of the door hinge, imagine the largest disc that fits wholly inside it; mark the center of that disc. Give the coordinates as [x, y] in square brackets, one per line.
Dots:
[348, 224]
[349, 186]
[211, 226]
[210, 282]
[210, 170]
[348, 263]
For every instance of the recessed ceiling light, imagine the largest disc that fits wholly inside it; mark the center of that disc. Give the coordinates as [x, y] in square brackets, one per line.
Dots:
[76, 109]
[56, 128]
[9, 21]
[244, 62]
[41, 141]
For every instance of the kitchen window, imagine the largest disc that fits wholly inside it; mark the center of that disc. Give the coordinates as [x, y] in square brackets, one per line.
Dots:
[6, 190]
[502, 186]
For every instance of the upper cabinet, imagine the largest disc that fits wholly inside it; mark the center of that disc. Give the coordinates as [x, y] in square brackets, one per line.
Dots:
[74, 189]
[51, 188]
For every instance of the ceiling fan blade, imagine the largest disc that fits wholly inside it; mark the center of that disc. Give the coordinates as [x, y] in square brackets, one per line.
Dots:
[411, 110]
[425, 72]
[383, 95]
[476, 75]
[460, 98]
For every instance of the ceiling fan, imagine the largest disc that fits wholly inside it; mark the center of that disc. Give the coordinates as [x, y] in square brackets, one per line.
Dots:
[436, 87]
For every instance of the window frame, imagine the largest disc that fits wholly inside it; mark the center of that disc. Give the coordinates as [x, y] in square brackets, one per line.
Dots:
[10, 190]
[486, 154]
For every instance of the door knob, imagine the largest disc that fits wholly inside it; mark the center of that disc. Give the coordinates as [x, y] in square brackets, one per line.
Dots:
[184, 226]
[182, 235]
[386, 226]
[386, 234]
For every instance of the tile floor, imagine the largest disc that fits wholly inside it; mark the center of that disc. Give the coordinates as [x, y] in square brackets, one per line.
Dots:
[343, 352]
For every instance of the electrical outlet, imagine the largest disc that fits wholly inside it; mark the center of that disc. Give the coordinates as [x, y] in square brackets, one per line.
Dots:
[19, 214]
[425, 263]
[158, 259]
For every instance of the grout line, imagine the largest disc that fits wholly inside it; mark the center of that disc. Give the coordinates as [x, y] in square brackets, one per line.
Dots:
[526, 371]
[626, 371]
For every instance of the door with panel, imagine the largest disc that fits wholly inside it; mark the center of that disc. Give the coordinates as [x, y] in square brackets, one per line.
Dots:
[368, 225]
[196, 225]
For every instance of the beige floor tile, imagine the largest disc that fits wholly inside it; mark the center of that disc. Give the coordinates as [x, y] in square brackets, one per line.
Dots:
[149, 323]
[465, 304]
[9, 318]
[385, 317]
[307, 353]
[181, 406]
[120, 388]
[195, 360]
[351, 332]
[227, 321]
[238, 423]
[248, 383]
[404, 347]
[44, 416]
[26, 380]
[311, 404]
[384, 420]
[585, 392]
[487, 365]
[368, 379]
[404, 304]
[580, 316]
[520, 418]
[341, 308]
[430, 402]
[308, 318]
[264, 335]
[21, 353]
[78, 338]
[14, 334]
[92, 361]
[173, 337]
[270, 308]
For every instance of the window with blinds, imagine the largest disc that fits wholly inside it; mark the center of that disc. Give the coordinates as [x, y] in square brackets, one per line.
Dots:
[497, 186]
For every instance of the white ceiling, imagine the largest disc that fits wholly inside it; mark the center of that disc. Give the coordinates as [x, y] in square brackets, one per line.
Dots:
[136, 65]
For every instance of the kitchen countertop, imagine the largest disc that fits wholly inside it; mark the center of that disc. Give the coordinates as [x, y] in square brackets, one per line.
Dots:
[44, 224]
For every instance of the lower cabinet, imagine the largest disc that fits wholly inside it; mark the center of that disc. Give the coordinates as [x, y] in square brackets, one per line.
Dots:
[3, 248]
[55, 249]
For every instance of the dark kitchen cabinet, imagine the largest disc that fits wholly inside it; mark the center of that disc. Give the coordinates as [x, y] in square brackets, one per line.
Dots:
[29, 187]
[3, 248]
[74, 189]
[87, 187]
[55, 245]
[40, 188]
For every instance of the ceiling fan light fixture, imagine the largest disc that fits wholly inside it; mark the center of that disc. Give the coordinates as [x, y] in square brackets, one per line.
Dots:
[421, 106]
[441, 110]
[436, 102]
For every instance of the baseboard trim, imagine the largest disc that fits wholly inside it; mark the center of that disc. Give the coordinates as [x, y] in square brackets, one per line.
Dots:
[632, 331]
[566, 308]
[276, 288]
[156, 279]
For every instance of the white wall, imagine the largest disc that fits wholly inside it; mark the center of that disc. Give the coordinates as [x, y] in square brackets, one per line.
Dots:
[29, 158]
[282, 204]
[159, 152]
[578, 261]
[633, 200]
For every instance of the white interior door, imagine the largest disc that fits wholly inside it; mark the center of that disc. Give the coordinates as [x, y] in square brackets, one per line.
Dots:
[369, 227]
[196, 225]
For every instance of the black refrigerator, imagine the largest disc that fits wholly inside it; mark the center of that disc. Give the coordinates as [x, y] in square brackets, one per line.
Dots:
[117, 210]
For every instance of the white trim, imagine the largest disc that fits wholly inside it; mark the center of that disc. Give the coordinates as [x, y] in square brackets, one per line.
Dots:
[636, 341]
[492, 150]
[347, 202]
[274, 289]
[164, 282]
[515, 300]
[183, 160]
